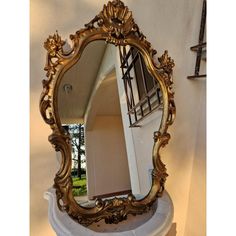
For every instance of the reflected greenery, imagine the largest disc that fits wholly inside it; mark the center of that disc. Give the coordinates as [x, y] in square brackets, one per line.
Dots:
[79, 186]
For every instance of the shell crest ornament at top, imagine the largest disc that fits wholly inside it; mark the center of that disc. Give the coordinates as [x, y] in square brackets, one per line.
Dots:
[117, 19]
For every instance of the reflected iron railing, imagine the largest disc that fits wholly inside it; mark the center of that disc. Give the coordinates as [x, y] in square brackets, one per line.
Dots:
[143, 94]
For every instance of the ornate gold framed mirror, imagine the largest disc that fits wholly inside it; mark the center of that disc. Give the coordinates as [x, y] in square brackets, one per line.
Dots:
[114, 25]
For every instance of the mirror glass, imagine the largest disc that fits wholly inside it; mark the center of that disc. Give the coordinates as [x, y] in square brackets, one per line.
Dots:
[104, 96]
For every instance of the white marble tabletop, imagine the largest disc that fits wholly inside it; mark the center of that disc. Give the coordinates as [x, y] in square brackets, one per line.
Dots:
[157, 225]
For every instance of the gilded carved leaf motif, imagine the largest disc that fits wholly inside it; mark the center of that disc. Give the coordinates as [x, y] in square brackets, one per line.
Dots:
[54, 44]
[166, 63]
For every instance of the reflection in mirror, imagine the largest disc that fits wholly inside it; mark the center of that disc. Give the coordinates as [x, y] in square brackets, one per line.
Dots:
[144, 110]
[142, 90]
[91, 108]
[78, 168]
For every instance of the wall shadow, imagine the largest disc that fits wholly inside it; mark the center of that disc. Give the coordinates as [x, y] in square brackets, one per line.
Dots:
[173, 231]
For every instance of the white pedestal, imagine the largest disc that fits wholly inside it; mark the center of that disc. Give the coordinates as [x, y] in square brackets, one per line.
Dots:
[158, 225]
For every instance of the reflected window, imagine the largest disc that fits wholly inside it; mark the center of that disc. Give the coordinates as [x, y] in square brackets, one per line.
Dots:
[78, 169]
[143, 94]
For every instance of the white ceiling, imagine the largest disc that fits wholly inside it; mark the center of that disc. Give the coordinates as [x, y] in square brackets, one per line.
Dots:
[81, 76]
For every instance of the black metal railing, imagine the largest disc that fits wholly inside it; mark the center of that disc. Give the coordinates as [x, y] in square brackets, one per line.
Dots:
[200, 48]
[142, 91]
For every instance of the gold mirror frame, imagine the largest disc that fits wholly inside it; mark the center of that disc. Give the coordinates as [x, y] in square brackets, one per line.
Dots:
[115, 25]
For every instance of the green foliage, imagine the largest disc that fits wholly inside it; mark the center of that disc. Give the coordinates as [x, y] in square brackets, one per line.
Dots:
[79, 182]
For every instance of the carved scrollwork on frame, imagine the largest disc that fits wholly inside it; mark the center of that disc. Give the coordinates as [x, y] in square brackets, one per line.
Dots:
[114, 24]
[54, 46]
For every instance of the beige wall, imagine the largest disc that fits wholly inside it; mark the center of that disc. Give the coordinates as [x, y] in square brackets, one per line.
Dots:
[172, 25]
[43, 166]
[196, 204]
[107, 166]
